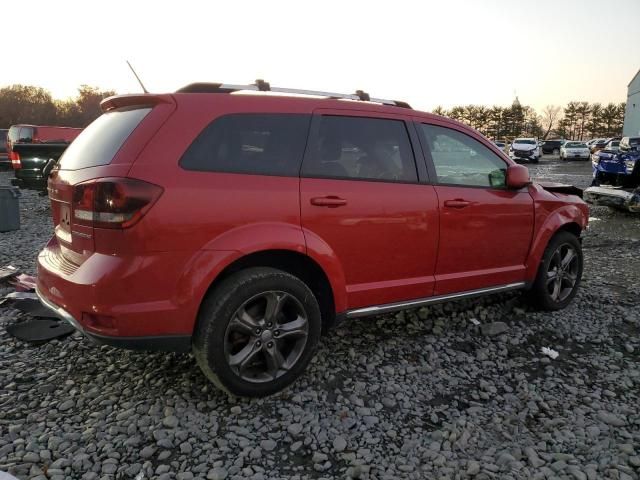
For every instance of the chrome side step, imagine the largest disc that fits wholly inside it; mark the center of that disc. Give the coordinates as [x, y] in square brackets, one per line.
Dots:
[390, 307]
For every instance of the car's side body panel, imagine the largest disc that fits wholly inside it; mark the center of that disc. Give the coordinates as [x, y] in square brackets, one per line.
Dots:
[390, 242]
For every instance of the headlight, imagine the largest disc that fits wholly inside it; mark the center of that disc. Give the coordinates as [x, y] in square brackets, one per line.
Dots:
[629, 164]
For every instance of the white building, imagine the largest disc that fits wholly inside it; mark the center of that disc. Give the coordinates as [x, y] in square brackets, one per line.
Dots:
[632, 112]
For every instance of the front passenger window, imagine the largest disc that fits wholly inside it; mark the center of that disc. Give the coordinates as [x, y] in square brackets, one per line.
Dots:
[361, 148]
[462, 160]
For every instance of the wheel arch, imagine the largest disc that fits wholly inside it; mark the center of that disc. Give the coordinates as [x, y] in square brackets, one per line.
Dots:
[298, 264]
[569, 219]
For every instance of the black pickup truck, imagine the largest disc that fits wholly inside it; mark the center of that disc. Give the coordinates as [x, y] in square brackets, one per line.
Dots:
[36, 161]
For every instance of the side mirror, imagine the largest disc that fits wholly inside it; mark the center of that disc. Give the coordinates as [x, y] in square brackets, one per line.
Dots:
[517, 177]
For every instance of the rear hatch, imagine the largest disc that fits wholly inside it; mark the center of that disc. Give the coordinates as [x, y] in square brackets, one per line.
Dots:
[88, 188]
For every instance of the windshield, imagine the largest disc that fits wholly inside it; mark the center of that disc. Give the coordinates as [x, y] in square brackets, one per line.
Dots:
[615, 144]
[526, 141]
[575, 145]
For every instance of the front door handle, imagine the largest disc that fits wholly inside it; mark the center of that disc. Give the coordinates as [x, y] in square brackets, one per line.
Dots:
[457, 203]
[330, 201]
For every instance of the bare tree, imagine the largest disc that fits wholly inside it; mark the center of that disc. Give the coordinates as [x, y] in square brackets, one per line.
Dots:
[549, 119]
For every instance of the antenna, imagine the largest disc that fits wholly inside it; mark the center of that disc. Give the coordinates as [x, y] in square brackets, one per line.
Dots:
[137, 77]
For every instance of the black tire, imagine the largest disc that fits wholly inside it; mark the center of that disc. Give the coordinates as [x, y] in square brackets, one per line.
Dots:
[215, 338]
[539, 295]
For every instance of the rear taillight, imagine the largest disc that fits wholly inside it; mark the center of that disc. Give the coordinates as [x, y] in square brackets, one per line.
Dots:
[15, 160]
[113, 202]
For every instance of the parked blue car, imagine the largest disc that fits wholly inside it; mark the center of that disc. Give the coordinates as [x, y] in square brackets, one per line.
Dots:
[616, 177]
[618, 168]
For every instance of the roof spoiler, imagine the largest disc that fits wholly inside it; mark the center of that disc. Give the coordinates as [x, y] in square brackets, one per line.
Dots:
[135, 99]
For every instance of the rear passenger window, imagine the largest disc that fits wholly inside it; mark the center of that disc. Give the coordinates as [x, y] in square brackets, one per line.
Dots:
[361, 148]
[462, 160]
[262, 144]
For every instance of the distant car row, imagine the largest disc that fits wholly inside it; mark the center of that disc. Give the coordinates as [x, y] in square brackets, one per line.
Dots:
[531, 149]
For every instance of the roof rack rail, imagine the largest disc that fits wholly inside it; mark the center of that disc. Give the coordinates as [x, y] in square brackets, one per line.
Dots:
[262, 86]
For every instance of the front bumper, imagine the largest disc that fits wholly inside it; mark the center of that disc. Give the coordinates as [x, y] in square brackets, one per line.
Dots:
[614, 197]
[518, 155]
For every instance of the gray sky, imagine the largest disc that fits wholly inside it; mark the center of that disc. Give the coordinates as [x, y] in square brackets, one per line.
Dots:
[429, 53]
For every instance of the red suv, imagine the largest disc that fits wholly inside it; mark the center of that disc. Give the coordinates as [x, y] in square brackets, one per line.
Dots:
[241, 226]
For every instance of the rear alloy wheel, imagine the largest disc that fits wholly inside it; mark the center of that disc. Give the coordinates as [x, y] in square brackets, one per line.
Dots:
[257, 332]
[559, 273]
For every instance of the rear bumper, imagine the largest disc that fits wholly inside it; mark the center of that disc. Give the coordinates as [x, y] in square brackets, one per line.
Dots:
[163, 343]
[132, 301]
[613, 197]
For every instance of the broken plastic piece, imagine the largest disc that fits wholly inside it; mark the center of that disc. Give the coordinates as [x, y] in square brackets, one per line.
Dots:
[21, 295]
[40, 330]
[550, 352]
[34, 307]
[8, 271]
[475, 321]
[24, 283]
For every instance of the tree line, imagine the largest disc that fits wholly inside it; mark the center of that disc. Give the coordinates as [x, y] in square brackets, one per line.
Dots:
[576, 121]
[35, 105]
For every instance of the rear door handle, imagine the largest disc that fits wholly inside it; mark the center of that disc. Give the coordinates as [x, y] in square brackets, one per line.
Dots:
[457, 203]
[330, 201]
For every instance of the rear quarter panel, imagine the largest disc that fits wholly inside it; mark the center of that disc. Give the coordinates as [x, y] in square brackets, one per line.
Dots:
[216, 217]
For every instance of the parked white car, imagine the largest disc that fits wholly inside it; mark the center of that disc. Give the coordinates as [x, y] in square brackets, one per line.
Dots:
[574, 151]
[612, 145]
[525, 149]
[501, 145]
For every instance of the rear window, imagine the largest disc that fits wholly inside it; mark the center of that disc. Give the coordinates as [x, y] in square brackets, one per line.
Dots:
[524, 141]
[26, 135]
[100, 141]
[261, 144]
[575, 145]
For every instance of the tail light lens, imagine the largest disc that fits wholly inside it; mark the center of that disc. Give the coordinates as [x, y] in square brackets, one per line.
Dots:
[113, 202]
[15, 160]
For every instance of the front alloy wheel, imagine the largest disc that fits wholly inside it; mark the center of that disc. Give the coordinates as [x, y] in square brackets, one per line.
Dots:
[559, 273]
[562, 272]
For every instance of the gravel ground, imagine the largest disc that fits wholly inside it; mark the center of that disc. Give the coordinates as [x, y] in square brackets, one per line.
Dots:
[421, 394]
